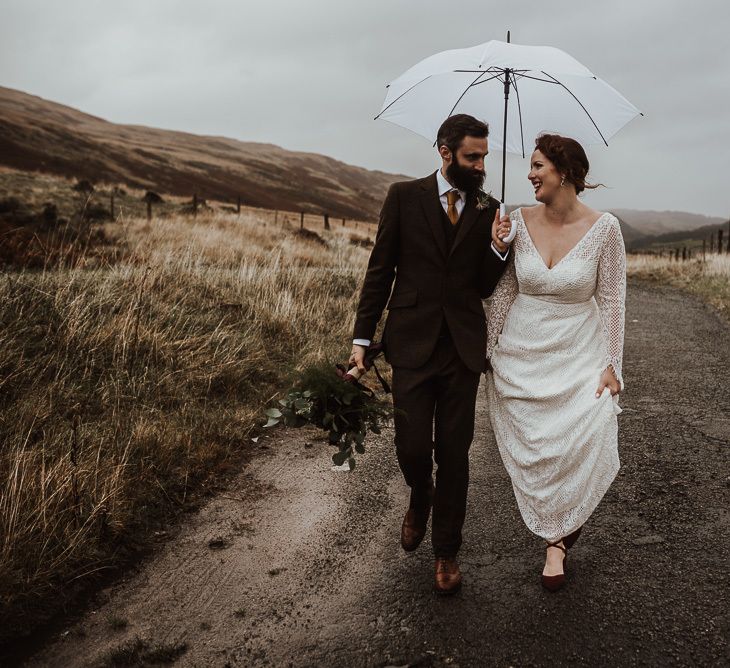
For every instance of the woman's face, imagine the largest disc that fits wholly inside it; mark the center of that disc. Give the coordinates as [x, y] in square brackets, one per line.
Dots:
[544, 177]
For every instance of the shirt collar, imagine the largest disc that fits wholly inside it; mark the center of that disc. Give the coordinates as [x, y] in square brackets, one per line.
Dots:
[444, 186]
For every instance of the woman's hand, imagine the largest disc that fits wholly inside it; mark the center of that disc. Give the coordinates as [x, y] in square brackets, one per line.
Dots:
[500, 229]
[608, 380]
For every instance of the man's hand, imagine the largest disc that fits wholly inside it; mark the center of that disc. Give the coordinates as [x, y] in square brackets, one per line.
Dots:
[357, 357]
[608, 380]
[500, 229]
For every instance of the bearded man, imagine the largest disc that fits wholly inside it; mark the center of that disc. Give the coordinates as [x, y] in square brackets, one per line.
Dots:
[439, 238]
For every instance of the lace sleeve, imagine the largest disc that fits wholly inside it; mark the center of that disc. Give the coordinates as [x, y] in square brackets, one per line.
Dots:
[501, 301]
[611, 296]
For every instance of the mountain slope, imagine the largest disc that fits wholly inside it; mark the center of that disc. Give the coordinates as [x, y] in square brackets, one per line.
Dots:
[664, 222]
[693, 237]
[36, 134]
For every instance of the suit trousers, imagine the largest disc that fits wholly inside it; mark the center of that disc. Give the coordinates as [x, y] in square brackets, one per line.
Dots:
[434, 419]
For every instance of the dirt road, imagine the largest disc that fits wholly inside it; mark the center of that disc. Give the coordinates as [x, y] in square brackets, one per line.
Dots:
[299, 565]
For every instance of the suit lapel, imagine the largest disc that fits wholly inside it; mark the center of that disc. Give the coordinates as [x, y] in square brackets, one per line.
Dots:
[432, 208]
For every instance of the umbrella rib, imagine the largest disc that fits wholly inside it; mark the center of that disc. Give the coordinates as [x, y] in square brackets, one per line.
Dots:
[461, 97]
[519, 112]
[580, 103]
[464, 93]
[400, 96]
[498, 70]
[527, 76]
[486, 80]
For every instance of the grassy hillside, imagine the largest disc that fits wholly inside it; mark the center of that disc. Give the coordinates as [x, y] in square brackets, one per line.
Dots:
[36, 134]
[128, 386]
[46, 220]
[39, 135]
[684, 238]
[652, 223]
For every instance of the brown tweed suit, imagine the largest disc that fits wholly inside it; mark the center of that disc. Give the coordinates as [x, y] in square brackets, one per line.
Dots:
[434, 336]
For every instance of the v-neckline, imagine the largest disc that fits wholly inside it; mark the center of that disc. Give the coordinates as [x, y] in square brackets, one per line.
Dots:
[577, 243]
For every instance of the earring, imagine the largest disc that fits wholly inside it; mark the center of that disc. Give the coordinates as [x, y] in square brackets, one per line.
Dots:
[562, 182]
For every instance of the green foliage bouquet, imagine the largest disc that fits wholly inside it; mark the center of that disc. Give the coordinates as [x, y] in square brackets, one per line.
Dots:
[336, 403]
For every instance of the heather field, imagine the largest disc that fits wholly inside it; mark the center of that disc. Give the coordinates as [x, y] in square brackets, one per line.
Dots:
[133, 375]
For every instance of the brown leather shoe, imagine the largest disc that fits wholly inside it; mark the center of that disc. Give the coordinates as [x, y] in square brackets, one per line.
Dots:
[414, 524]
[448, 576]
[413, 529]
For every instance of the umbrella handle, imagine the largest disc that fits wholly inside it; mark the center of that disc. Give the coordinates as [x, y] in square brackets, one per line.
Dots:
[513, 228]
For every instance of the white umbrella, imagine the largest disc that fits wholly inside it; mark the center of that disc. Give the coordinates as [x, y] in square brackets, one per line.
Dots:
[553, 93]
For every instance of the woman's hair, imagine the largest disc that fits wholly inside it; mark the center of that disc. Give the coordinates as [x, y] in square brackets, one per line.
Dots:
[568, 157]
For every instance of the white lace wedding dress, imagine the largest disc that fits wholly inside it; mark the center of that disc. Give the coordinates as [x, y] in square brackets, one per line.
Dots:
[551, 332]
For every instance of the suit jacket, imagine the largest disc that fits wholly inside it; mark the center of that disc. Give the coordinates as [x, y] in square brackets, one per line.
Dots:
[431, 281]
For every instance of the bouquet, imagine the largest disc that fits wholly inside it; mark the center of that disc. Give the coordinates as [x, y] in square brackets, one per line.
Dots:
[334, 400]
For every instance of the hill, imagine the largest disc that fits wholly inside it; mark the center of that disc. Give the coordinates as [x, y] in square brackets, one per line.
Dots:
[36, 134]
[690, 238]
[664, 222]
[39, 135]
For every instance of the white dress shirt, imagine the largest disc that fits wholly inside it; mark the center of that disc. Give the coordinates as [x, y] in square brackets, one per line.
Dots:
[443, 187]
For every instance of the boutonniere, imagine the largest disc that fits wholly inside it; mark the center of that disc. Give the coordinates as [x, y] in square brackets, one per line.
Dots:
[483, 199]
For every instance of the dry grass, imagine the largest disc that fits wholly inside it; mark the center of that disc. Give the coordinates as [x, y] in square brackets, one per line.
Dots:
[73, 235]
[126, 388]
[708, 279]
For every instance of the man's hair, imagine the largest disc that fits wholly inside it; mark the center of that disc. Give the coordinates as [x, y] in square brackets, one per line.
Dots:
[455, 128]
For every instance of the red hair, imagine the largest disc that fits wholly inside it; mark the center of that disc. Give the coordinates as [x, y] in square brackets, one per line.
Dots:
[568, 157]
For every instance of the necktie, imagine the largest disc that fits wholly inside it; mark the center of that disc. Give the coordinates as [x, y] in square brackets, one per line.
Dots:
[452, 197]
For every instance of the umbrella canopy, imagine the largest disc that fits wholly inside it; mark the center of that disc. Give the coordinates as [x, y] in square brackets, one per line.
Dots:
[530, 89]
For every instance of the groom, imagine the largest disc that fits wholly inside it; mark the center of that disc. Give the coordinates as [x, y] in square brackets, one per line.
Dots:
[439, 238]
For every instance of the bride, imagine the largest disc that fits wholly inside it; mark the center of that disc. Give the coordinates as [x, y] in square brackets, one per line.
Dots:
[555, 345]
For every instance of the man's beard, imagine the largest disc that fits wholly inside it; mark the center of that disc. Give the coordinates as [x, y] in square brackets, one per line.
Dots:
[464, 178]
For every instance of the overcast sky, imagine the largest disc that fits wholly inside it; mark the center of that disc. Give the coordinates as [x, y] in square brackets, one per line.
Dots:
[310, 75]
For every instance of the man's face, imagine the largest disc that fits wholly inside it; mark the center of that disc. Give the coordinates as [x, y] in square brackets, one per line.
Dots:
[466, 167]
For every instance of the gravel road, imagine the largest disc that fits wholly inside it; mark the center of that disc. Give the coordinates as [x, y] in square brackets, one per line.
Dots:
[299, 565]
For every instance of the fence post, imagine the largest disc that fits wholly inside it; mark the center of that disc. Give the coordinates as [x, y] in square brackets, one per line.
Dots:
[238, 206]
[301, 220]
[704, 243]
[719, 241]
[326, 221]
[712, 242]
[343, 222]
[676, 254]
[728, 237]
[111, 205]
[195, 205]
